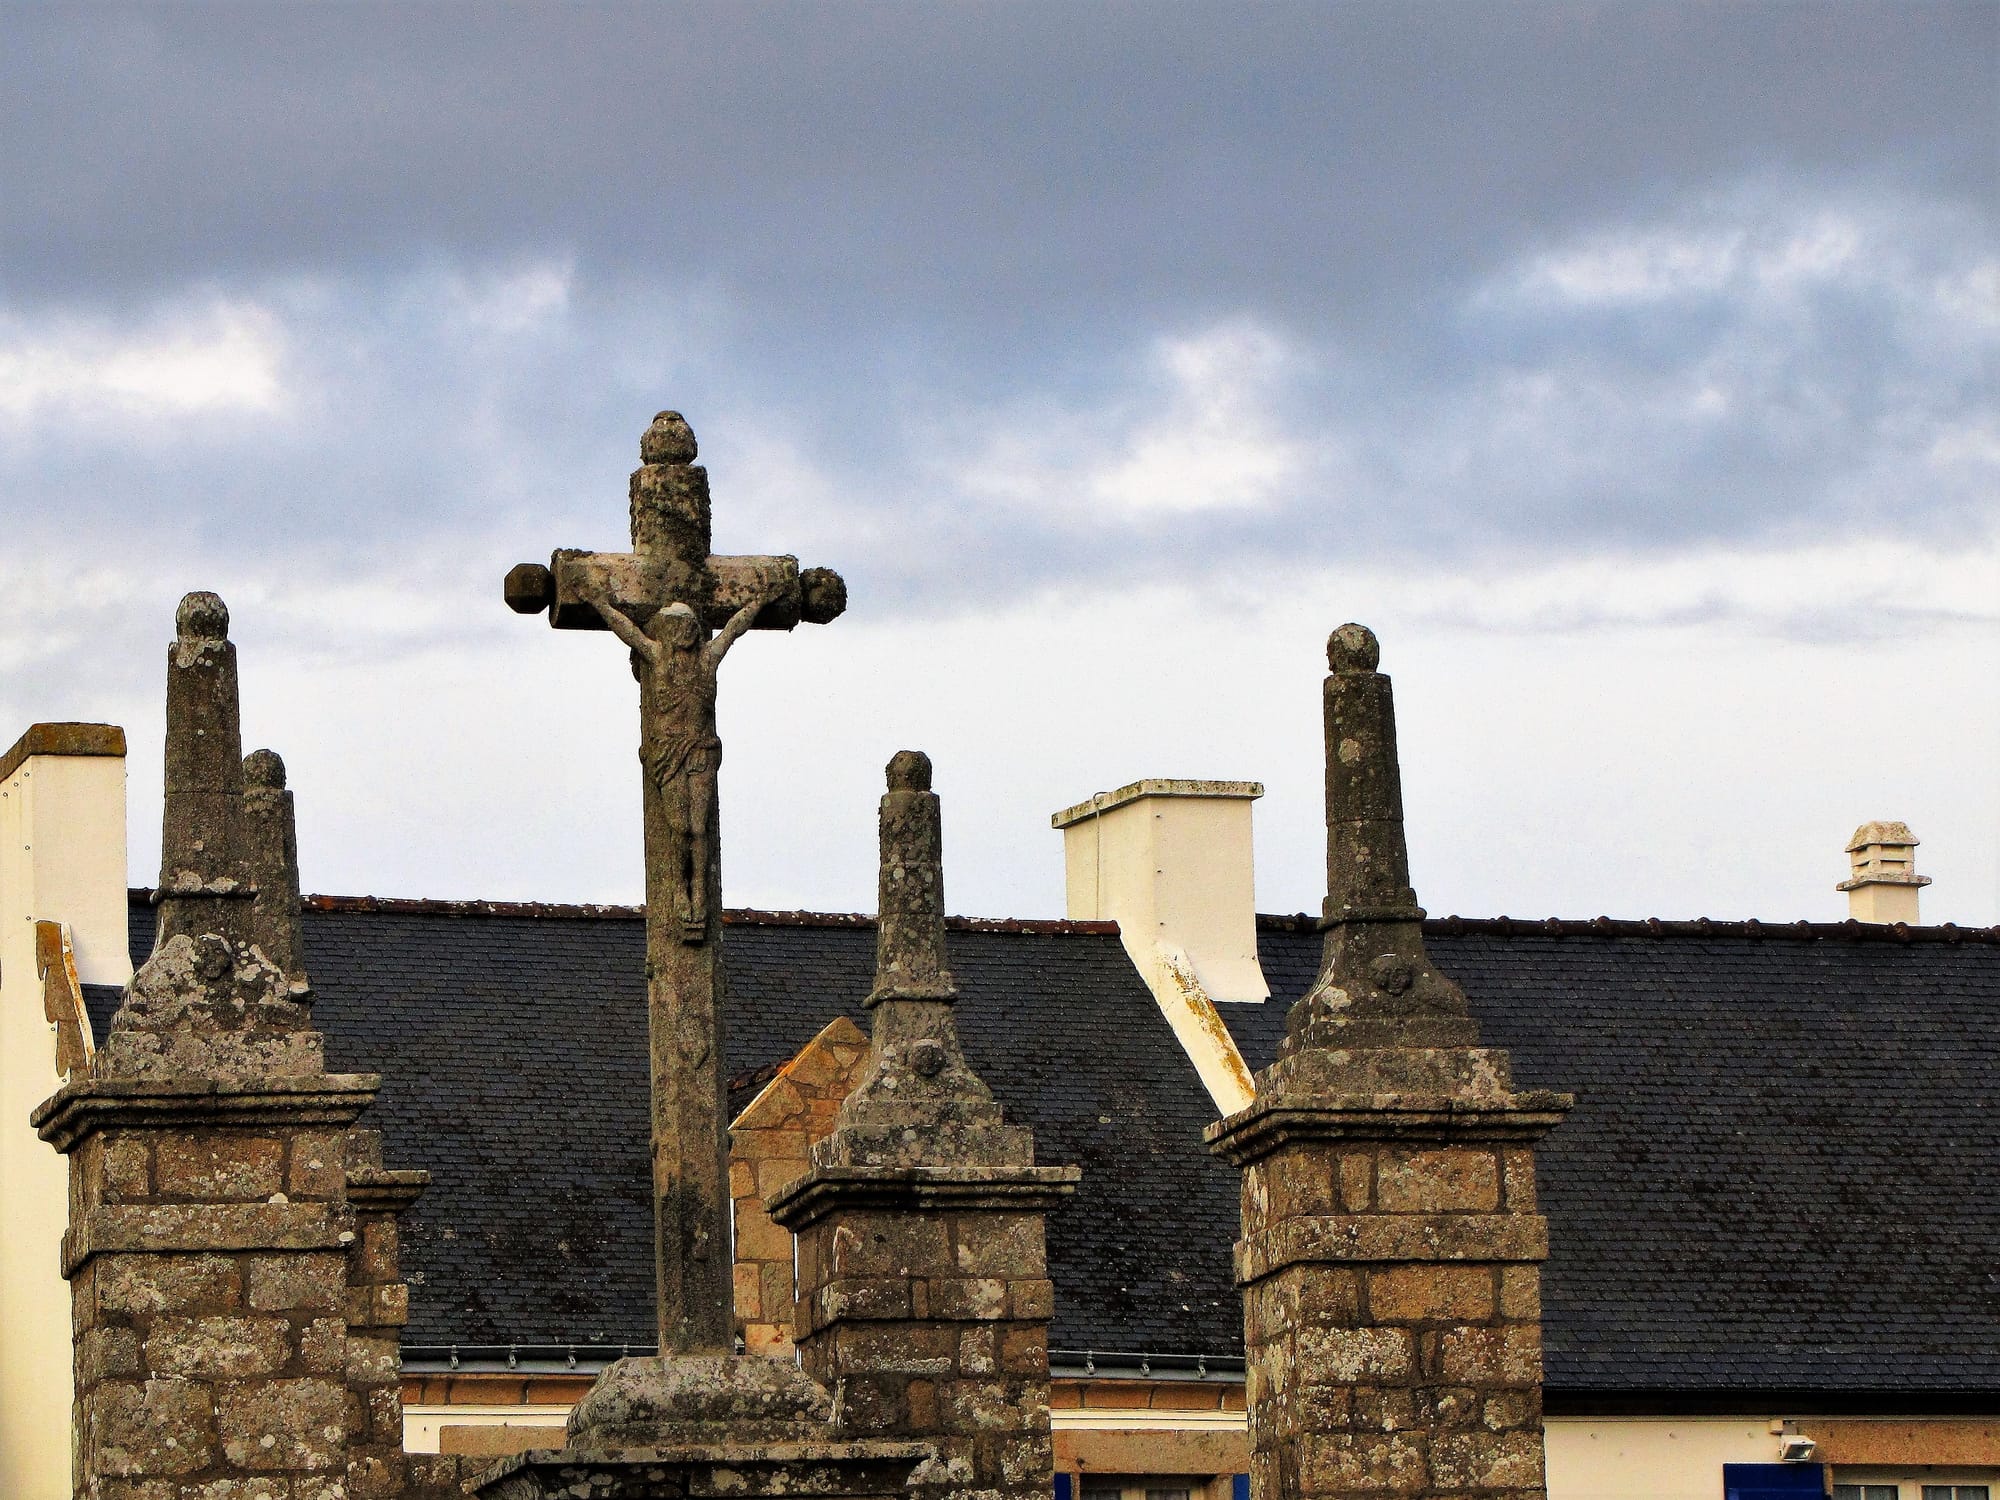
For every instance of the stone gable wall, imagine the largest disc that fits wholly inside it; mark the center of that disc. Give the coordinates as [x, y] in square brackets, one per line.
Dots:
[769, 1146]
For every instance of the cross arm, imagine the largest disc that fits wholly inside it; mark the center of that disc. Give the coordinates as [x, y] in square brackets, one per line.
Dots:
[795, 595]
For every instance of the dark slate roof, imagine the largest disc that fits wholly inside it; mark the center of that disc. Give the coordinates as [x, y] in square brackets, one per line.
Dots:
[1782, 1173]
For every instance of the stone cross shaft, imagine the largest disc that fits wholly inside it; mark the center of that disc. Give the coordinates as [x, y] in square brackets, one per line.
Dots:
[662, 599]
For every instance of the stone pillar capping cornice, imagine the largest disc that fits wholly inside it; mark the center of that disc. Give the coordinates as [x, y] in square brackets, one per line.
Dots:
[88, 1105]
[1271, 1124]
[806, 1200]
[376, 1190]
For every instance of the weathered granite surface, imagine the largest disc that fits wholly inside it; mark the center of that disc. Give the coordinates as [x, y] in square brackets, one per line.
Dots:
[698, 1419]
[1390, 1248]
[820, 1470]
[660, 600]
[271, 861]
[231, 1250]
[924, 1297]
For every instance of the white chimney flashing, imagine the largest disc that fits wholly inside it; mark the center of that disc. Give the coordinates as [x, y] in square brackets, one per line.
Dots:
[1170, 861]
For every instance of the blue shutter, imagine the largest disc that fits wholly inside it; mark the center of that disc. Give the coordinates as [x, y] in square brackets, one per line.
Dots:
[1065, 1487]
[1239, 1487]
[1773, 1481]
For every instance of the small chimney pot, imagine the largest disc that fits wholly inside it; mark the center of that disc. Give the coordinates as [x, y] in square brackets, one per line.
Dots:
[1884, 882]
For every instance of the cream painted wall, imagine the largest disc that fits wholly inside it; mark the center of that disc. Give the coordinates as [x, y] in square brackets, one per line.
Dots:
[1651, 1458]
[62, 858]
[1884, 903]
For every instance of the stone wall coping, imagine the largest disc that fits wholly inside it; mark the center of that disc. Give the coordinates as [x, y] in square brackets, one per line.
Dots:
[826, 1189]
[1100, 803]
[84, 1106]
[1281, 1120]
[62, 739]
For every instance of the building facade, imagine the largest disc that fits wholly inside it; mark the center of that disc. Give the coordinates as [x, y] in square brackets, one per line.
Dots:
[1772, 1212]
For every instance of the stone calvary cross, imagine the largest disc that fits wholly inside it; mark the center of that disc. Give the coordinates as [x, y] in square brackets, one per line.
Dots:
[662, 599]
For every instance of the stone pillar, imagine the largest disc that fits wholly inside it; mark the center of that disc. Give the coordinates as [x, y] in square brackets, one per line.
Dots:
[271, 852]
[924, 1299]
[1390, 1252]
[211, 1231]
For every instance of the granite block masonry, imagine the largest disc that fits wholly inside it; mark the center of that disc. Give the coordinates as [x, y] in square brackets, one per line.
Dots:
[1390, 1256]
[924, 1298]
[228, 1336]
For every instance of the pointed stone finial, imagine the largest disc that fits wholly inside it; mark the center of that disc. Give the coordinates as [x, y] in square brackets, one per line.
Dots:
[204, 884]
[1377, 986]
[920, 1103]
[271, 847]
[212, 1002]
[909, 933]
[1367, 864]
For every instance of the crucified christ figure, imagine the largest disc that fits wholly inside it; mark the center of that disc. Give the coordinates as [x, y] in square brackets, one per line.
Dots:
[678, 745]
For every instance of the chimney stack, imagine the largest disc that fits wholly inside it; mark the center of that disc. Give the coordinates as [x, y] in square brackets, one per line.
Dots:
[1885, 882]
[1170, 862]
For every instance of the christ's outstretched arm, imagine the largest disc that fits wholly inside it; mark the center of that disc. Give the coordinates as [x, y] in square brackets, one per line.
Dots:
[620, 623]
[732, 632]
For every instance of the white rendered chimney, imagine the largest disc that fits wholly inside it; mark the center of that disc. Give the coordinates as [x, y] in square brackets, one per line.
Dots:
[1885, 882]
[1170, 861]
[62, 861]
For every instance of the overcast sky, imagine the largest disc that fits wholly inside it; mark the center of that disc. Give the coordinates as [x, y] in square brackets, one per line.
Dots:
[1630, 369]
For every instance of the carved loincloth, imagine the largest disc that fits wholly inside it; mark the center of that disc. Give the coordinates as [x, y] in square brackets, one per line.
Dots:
[684, 755]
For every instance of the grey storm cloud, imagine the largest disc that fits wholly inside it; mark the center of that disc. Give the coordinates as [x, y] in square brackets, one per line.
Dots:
[1414, 279]
[1005, 168]
[1111, 350]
